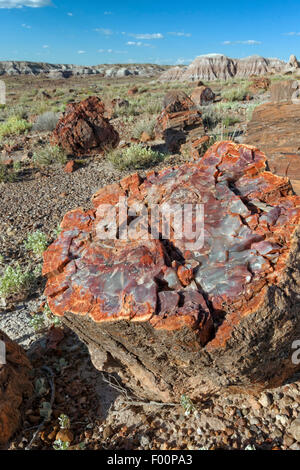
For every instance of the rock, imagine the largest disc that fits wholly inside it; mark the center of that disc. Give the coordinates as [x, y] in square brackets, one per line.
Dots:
[133, 91]
[65, 435]
[61, 71]
[257, 65]
[284, 91]
[166, 334]
[202, 96]
[15, 386]
[180, 124]
[145, 137]
[70, 166]
[259, 84]
[83, 128]
[176, 101]
[292, 66]
[211, 67]
[294, 429]
[265, 400]
[274, 128]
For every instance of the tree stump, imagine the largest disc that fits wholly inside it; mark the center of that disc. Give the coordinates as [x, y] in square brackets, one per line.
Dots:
[171, 318]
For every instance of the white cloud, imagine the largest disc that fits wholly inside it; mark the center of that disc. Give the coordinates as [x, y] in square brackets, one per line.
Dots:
[147, 36]
[81, 52]
[105, 31]
[249, 42]
[24, 3]
[26, 26]
[70, 14]
[138, 43]
[45, 46]
[111, 51]
[292, 34]
[108, 13]
[180, 34]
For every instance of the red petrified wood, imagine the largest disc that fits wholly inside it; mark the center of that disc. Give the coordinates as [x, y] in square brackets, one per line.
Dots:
[15, 385]
[172, 318]
[83, 129]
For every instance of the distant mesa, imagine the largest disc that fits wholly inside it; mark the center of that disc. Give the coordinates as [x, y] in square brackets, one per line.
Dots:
[211, 67]
[57, 71]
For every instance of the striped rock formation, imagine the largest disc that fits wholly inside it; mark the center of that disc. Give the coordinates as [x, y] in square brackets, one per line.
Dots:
[211, 67]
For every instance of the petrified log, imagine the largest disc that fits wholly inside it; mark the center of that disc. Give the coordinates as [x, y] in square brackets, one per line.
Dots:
[83, 129]
[15, 385]
[172, 318]
[202, 96]
[180, 122]
[285, 90]
[274, 128]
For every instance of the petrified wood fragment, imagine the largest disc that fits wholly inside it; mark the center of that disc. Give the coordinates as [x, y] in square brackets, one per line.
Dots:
[15, 385]
[274, 128]
[174, 319]
[83, 129]
[202, 95]
[180, 122]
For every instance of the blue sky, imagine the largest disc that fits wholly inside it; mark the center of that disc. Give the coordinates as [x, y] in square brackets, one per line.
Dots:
[170, 32]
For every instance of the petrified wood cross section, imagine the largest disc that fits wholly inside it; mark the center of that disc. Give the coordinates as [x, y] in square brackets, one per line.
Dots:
[171, 319]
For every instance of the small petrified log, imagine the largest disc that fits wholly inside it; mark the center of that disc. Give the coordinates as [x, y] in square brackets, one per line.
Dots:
[84, 129]
[202, 95]
[174, 319]
[15, 385]
[180, 122]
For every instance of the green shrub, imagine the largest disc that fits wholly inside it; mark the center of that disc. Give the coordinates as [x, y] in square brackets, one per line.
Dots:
[13, 126]
[15, 281]
[49, 155]
[46, 122]
[235, 94]
[36, 242]
[230, 121]
[134, 157]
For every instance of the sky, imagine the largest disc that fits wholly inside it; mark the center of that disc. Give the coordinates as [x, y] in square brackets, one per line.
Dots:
[173, 32]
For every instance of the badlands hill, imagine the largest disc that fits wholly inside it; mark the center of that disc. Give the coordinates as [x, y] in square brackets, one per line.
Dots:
[67, 70]
[220, 67]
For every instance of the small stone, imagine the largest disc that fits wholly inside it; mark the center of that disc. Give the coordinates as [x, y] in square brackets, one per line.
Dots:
[145, 137]
[294, 429]
[70, 167]
[265, 400]
[65, 435]
[107, 432]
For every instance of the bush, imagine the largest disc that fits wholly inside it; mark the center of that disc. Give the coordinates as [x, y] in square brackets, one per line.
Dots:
[15, 281]
[134, 157]
[49, 155]
[36, 242]
[230, 121]
[13, 126]
[46, 122]
[235, 94]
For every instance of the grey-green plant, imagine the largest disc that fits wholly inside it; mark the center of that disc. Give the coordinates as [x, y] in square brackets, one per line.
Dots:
[50, 154]
[16, 281]
[135, 157]
[36, 242]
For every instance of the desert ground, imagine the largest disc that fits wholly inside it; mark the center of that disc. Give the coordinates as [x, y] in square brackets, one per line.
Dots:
[73, 405]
